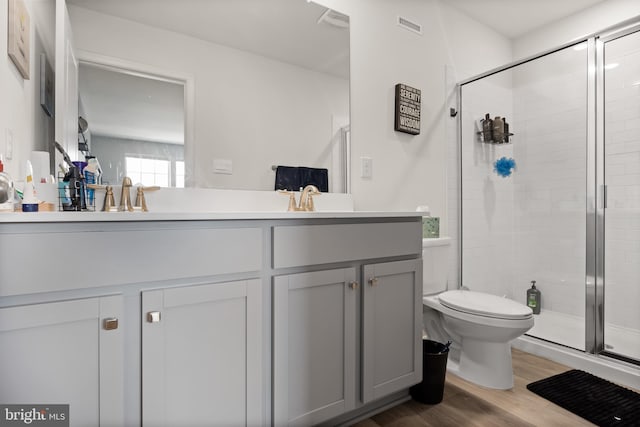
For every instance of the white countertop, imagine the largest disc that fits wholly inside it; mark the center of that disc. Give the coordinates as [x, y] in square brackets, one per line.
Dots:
[202, 204]
[42, 217]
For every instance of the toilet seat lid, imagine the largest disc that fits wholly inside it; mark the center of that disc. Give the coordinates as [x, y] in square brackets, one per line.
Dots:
[483, 304]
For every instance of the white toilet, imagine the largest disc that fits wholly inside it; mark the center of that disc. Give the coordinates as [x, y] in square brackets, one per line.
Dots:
[479, 325]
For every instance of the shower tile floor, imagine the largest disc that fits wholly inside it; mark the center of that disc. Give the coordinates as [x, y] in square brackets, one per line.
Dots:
[570, 331]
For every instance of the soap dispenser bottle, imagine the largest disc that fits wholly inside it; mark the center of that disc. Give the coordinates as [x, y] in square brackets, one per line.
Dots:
[533, 298]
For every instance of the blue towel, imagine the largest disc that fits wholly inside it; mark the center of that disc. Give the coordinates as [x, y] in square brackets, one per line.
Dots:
[292, 178]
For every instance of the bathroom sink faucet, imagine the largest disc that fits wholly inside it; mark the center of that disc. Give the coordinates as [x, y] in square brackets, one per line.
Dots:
[306, 199]
[125, 195]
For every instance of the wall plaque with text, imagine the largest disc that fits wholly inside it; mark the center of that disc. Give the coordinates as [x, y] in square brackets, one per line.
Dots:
[407, 109]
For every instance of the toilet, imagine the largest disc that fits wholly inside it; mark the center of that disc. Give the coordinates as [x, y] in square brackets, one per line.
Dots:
[480, 326]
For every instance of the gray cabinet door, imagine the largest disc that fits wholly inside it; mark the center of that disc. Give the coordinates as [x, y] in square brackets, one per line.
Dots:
[61, 353]
[201, 355]
[391, 327]
[314, 346]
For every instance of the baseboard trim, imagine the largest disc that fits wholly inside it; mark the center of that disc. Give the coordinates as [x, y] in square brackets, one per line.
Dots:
[368, 410]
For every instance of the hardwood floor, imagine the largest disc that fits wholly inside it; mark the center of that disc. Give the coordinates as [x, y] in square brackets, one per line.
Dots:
[466, 404]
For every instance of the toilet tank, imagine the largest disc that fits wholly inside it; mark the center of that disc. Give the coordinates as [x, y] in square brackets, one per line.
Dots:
[435, 264]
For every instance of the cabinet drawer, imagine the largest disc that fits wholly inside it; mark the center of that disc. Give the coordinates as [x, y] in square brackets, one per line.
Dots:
[322, 244]
[98, 258]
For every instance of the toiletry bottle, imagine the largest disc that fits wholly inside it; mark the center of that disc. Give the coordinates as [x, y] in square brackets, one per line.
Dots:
[533, 298]
[506, 130]
[30, 202]
[498, 130]
[487, 128]
[91, 174]
[6, 190]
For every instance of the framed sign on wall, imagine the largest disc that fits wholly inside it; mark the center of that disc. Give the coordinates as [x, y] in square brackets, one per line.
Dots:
[407, 117]
[18, 41]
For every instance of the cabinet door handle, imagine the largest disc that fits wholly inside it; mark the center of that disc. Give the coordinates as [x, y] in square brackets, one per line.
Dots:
[110, 323]
[373, 281]
[153, 316]
[353, 285]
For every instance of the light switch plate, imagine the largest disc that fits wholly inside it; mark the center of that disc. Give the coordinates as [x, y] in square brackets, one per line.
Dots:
[223, 166]
[366, 167]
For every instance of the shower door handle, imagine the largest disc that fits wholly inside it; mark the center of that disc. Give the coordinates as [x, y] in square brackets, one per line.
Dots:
[604, 196]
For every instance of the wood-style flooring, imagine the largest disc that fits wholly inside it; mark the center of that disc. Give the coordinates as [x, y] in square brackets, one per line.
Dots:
[466, 404]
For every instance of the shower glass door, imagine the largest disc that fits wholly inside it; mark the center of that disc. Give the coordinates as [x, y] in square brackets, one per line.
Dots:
[527, 223]
[621, 63]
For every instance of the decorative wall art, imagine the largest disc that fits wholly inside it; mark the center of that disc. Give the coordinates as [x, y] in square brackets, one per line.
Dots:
[46, 85]
[18, 46]
[407, 117]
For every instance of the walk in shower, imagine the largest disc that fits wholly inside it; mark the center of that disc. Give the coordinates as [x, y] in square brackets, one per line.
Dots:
[555, 198]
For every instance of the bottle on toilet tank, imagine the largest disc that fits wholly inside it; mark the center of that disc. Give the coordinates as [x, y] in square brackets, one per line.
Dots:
[533, 298]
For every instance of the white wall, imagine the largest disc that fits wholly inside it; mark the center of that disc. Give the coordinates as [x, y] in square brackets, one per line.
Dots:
[20, 110]
[249, 109]
[411, 170]
[596, 18]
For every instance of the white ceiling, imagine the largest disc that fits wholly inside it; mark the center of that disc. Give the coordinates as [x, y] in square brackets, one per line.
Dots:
[514, 18]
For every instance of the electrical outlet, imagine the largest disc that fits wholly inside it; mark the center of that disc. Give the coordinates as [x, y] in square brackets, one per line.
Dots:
[366, 170]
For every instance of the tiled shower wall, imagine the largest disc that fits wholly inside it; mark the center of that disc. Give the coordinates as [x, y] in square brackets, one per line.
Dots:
[550, 147]
[487, 199]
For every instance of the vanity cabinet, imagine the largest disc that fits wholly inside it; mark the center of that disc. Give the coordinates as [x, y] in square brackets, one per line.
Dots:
[314, 346]
[391, 327]
[68, 352]
[344, 337]
[297, 320]
[201, 348]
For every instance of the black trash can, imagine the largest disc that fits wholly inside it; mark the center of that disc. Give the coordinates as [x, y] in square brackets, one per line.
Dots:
[434, 368]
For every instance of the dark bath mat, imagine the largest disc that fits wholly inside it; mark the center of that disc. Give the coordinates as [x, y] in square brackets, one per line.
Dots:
[594, 399]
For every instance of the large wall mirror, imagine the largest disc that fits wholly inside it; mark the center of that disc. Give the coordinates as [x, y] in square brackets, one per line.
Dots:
[216, 92]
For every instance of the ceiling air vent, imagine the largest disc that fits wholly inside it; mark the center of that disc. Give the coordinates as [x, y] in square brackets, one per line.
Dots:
[409, 25]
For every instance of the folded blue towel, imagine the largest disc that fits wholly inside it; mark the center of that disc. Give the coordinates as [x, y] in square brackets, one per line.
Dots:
[292, 178]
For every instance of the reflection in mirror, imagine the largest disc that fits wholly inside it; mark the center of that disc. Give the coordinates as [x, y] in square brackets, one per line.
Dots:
[270, 83]
[136, 125]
